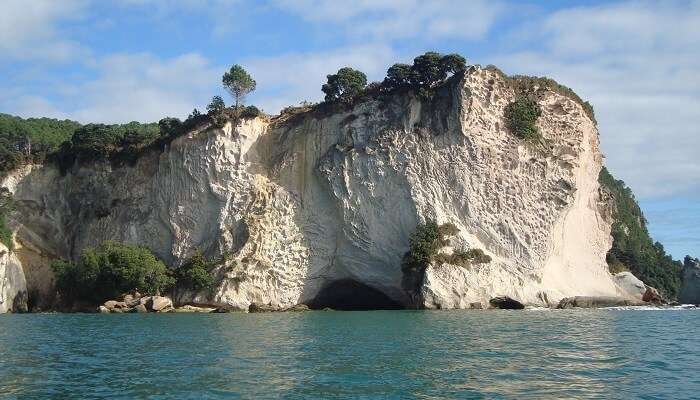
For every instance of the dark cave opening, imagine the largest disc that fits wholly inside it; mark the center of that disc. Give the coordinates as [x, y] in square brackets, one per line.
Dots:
[351, 295]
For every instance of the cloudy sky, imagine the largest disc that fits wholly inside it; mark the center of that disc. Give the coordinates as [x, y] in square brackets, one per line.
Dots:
[124, 60]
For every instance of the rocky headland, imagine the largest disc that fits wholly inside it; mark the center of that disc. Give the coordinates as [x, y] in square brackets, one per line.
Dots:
[317, 207]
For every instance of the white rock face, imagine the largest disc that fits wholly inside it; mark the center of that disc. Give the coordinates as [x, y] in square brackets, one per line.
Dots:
[303, 202]
[13, 288]
[630, 286]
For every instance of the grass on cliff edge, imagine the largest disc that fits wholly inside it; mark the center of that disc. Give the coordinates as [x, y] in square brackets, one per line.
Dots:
[633, 248]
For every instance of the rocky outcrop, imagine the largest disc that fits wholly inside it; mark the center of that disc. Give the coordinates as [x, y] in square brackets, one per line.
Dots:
[13, 287]
[138, 304]
[690, 287]
[306, 201]
[596, 302]
[506, 303]
[629, 285]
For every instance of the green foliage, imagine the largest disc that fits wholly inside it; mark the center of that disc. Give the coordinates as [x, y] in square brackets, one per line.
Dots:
[521, 117]
[216, 106]
[427, 71]
[30, 140]
[6, 208]
[633, 248]
[170, 127]
[250, 112]
[344, 85]
[425, 245]
[196, 272]
[109, 270]
[526, 85]
[238, 83]
[98, 141]
[463, 258]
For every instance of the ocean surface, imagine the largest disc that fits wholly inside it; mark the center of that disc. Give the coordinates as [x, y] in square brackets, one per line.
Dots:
[605, 354]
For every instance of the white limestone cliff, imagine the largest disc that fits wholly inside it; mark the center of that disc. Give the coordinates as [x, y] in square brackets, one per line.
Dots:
[13, 287]
[305, 201]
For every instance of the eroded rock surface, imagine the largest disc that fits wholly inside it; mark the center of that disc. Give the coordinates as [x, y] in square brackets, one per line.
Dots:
[13, 287]
[690, 288]
[305, 202]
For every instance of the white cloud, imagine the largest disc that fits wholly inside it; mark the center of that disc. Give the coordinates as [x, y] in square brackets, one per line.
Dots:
[401, 19]
[28, 29]
[637, 63]
[127, 87]
[143, 87]
[291, 78]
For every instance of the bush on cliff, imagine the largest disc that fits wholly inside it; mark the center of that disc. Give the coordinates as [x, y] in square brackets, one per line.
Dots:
[425, 245]
[6, 207]
[521, 117]
[109, 270]
[633, 248]
[196, 273]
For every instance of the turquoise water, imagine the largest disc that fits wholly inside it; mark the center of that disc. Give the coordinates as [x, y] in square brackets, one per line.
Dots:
[382, 354]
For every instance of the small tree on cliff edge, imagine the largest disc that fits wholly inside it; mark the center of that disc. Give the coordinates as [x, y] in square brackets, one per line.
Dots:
[344, 85]
[239, 83]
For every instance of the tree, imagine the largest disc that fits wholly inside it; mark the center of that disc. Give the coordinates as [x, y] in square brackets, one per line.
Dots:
[427, 69]
[170, 126]
[398, 75]
[453, 63]
[196, 273]
[344, 85]
[109, 270]
[239, 83]
[216, 106]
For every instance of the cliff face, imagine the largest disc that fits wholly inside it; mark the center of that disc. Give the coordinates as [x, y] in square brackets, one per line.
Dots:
[306, 203]
[690, 290]
[13, 287]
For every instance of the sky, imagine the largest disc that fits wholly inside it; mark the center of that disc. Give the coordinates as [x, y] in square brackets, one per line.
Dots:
[115, 61]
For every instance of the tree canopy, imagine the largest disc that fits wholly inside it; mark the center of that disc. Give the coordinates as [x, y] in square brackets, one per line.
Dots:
[427, 70]
[238, 83]
[344, 84]
[111, 269]
[216, 105]
[633, 248]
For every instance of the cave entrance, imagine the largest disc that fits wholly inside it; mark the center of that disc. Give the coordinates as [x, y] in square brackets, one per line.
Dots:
[351, 295]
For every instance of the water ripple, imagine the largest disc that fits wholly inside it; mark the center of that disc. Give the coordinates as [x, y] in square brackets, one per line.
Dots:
[611, 354]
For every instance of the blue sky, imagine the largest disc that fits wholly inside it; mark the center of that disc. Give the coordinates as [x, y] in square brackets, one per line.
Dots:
[117, 61]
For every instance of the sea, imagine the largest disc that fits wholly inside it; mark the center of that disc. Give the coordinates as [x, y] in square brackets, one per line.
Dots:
[623, 353]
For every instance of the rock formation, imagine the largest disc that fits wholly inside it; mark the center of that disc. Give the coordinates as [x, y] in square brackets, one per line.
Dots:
[690, 289]
[13, 288]
[315, 199]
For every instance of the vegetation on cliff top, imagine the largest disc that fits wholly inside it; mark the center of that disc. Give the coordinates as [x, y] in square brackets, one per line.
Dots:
[633, 248]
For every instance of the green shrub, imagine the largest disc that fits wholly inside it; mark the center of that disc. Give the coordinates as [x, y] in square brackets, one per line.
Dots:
[6, 207]
[196, 273]
[521, 117]
[425, 245]
[633, 248]
[109, 270]
[250, 112]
